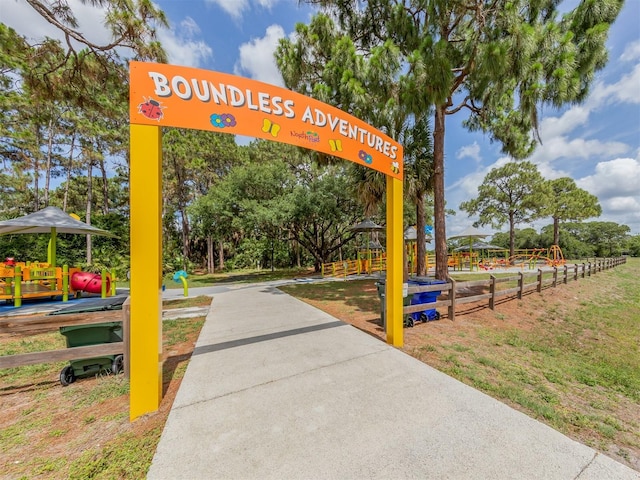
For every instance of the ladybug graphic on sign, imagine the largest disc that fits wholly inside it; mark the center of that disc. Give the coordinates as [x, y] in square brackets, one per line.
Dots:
[151, 108]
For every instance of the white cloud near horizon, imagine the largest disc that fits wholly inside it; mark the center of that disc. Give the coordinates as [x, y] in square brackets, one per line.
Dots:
[256, 58]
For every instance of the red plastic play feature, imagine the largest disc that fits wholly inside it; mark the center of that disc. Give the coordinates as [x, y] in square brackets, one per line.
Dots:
[88, 282]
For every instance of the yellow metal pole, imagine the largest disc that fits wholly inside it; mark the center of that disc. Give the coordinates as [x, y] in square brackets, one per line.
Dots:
[145, 186]
[395, 252]
[65, 283]
[17, 286]
[51, 250]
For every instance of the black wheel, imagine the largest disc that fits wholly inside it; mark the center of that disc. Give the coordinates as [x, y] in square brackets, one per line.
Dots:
[424, 317]
[437, 316]
[67, 377]
[118, 364]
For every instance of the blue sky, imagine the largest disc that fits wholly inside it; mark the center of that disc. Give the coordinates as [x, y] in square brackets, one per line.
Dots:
[596, 143]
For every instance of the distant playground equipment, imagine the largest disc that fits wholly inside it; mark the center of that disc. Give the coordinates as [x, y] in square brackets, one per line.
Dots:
[20, 280]
[181, 277]
[531, 258]
[478, 259]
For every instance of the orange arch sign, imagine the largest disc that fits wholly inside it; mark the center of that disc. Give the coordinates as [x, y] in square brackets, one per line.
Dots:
[171, 96]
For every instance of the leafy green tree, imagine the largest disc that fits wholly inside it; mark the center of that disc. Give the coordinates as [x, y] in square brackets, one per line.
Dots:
[514, 193]
[609, 238]
[323, 212]
[570, 203]
[324, 62]
[419, 181]
[633, 246]
[499, 61]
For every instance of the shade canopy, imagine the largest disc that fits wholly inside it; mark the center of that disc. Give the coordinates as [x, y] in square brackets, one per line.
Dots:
[366, 225]
[479, 246]
[470, 232]
[48, 219]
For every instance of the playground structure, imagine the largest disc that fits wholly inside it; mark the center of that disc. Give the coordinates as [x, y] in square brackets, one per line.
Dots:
[375, 261]
[531, 258]
[20, 281]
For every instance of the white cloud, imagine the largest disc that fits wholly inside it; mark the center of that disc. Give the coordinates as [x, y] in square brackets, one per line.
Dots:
[631, 52]
[614, 178]
[236, 8]
[232, 7]
[256, 57]
[556, 148]
[472, 151]
[182, 46]
[180, 43]
[625, 90]
[27, 22]
[267, 3]
[567, 122]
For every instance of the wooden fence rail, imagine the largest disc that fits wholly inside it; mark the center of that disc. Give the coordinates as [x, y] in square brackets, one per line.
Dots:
[543, 279]
[44, 323]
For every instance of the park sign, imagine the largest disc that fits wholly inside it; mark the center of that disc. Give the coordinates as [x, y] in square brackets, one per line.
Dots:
[164, 95]
[174, 96]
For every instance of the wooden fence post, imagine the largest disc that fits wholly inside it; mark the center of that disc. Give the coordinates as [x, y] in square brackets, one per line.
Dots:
[575, 272]
[492, 290]
[520, 285]
[555, 277]
[566, 273]
[584, 268]
[452, 297]
[126, 316]
[539, 280]
[589, 269]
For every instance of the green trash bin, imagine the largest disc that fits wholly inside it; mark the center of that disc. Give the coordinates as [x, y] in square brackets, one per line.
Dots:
[84, 335]
[380, 285]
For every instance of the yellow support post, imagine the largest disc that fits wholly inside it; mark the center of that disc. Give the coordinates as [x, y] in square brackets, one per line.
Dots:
[395, 253]
[17, 287]
[145, 185]
[65, 283]
[113, 283]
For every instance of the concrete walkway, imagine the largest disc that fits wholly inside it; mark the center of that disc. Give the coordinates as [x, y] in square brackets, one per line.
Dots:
[277, 389]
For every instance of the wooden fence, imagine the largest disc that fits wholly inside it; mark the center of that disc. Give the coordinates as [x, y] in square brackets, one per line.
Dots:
[46, 323]
[543, 279]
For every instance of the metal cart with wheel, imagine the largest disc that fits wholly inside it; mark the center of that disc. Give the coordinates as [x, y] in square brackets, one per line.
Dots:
[83, 335]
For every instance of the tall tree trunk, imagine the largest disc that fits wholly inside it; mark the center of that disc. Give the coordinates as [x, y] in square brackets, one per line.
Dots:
[220, 255]
[88, 208]
[421, 250]
[210, 259]
[512, 235]
[47, 178]
[186, 250]
[556, 231]
[440, 234]
[105, 187]
[65, 198]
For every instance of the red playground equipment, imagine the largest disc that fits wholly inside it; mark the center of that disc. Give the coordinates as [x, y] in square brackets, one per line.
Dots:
[89, 282]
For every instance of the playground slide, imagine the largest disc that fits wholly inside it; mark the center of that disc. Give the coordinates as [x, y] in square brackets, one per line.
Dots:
[88, 282]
